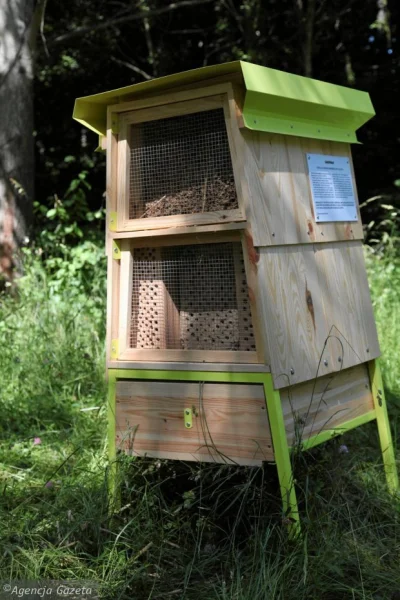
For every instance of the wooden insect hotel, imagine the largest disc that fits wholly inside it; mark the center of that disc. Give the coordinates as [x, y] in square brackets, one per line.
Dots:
[239, 316]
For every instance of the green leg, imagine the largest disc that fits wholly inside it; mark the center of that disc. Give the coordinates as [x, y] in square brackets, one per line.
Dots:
[112, 454]
[385, 436]
[282, 456]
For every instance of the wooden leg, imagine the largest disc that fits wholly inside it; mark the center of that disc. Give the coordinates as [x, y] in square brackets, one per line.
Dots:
[385, 436]
[282, 457]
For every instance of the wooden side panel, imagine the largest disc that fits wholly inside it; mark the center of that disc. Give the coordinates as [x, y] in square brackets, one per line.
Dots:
[280, 210]
[327, 403]
[316, 310]
[230, 421]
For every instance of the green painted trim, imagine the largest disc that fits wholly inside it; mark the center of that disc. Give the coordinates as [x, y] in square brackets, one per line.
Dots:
[328, 434]
[275, 414]
[189, 375]
[282, 455]
[385, 436]
[111, 437]
[284, 103]
[275, 101]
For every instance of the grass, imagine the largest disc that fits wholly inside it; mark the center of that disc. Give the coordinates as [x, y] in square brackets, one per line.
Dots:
[183, 531]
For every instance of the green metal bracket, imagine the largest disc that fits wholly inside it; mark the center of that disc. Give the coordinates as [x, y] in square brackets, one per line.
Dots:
[188, 416]
[115, 124]
[114, 349]
[112, 220]
[116, 250]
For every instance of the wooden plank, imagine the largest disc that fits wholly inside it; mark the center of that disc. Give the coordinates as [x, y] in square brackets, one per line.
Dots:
[280, 210]
[250, 254]
[123, 167]
[230, 421]
[326, 403]
[165, 111]
[125, 296]
[190, 366]
[191, 92]
[316, 310]
[111, 177]
[189, 230]
[156, 223]
[186, 240]
[189, 355]
[113, 279]
[347, 302]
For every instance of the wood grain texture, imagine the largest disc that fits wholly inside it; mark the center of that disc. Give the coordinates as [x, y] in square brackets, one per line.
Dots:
[280, 209]
[192, 230]
[327, 403]
[125, 296]
[206, 356]
[190, 366]
[230, 421]
[316, 310]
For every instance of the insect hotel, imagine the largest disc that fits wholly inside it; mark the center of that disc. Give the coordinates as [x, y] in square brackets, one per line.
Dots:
[239, 319]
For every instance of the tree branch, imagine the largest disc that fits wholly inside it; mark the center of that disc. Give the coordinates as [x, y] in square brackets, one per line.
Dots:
[80, 31]
[132, 67]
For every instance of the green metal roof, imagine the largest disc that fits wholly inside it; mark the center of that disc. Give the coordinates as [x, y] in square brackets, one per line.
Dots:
[275, 101]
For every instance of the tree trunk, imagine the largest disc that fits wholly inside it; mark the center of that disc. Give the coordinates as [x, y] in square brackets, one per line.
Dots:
[16, 128]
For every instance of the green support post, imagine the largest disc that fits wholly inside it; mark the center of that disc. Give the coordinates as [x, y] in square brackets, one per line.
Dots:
[112, 453]
[382, 419]
[282, 456]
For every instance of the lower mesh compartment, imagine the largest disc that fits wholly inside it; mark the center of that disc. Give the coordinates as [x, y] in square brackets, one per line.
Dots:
[191, 298]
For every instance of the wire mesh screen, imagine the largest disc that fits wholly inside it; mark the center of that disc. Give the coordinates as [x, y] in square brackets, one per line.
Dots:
[191, 298]
[181, 165]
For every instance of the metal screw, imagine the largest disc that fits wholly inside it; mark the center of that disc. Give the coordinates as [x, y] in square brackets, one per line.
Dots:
[187, 412]
[339, 359]
[292, 371]
[115, 250]
[367, 349]
[273, 235]
[187, 424]
[255, 121]
[325, 362]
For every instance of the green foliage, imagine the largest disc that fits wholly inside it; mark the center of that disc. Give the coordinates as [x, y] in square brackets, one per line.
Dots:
[51, 339]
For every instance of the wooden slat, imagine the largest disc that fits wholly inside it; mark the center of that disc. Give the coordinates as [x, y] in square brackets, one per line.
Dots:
[280, 210]
[125, 296]
[165, 111]
[189, 355]
[190, 366]
[327, 403]
[215, 228]
[309, 292]
[206, 218]
[227, 419]
[213, 87]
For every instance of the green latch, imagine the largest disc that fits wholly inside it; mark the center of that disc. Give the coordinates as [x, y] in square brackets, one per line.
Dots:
[188, 416]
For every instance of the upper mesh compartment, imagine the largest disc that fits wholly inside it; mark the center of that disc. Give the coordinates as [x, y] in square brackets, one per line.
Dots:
[181, 165]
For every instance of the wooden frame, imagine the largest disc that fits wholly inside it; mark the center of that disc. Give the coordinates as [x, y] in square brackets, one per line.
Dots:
[121, 117]
[120, 313]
